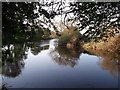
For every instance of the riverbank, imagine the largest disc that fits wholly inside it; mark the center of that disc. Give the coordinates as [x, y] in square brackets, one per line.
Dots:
[109, 49]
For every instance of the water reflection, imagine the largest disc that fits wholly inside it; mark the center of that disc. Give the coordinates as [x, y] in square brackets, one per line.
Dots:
[66, 56]
[111, 65]
[12, 69]
[36, 50]
[13, 57]
[108, 61]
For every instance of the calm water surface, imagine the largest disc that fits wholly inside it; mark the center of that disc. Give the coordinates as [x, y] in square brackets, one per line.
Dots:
[44, 65]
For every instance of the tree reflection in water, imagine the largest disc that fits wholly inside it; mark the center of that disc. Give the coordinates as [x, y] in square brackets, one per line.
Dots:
[66, 56]
[13, 57]
[69, 57]
[108, 61]
[111, 65]
[36, 50]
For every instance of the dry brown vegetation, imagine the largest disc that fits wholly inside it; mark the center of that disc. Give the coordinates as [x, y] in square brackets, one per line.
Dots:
[108, 50]
[109, 53]
[53, 34]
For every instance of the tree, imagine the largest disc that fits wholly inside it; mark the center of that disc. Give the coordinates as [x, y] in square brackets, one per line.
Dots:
[13, 16]
[97, 16]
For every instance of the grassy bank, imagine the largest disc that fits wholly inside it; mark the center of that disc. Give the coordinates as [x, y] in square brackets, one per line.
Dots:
[108, 50]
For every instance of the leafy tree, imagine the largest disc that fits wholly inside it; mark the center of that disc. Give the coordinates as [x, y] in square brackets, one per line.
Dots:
[97, 16]
[69, 36]
[20, 22]
[16, 17]
[46, 32]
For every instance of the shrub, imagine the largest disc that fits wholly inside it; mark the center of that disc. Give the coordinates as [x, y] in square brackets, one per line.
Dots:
[70, 35]
[110, 48]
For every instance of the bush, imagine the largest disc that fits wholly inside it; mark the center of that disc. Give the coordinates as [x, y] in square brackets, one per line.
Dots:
[70, 35]
[102, 48]
[53, 35]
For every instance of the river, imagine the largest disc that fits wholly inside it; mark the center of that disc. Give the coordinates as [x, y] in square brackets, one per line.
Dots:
[45, 65]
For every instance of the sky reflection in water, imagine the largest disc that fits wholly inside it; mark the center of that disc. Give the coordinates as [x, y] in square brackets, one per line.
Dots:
[48, 67]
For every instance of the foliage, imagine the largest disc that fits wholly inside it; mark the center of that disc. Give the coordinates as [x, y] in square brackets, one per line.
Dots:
[110, 48]
[13, 16]
[70, 35]
[36, 34]
[53, 34]
[19, 22]
[97, 16]
[105, 35]
[46, 33]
